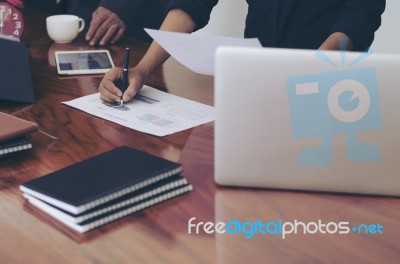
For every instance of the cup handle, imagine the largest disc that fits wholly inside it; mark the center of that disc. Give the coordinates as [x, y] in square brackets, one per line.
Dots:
[82, 22]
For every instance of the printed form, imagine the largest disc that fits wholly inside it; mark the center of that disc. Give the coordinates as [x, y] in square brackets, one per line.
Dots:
[150, 111]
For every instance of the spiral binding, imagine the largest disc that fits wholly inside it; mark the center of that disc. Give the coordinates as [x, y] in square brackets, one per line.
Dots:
[130, 189]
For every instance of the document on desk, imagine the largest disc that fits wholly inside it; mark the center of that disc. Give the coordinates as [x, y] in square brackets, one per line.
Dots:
[197, 51]
[150, 111]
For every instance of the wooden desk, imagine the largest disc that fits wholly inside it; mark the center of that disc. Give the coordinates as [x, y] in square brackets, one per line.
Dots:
[160, 234]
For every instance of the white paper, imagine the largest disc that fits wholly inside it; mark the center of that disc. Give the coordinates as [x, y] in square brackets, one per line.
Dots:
[196, 51]
[151, 111]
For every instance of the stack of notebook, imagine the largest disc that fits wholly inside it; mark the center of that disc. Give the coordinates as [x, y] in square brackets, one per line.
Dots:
[13, 133]
[106, 187]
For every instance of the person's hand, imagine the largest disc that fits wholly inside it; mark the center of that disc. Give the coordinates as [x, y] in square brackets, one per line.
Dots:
[105, 27]
[109, 92]
[337, 41]
[178, 21]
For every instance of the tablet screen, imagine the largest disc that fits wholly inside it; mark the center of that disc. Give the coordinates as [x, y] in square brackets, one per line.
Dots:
[83, 62]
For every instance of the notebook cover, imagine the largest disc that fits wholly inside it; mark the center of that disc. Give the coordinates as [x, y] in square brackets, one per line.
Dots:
[99, 179]
[12, 127]
[15, 74]
[14, 145]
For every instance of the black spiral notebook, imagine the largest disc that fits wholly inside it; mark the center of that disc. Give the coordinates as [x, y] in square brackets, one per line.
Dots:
[15, 145]
[100, 179]
[115, 209]
[15, 73]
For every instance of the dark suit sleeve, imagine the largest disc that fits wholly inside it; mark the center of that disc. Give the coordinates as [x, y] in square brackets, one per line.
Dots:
[125, 9]
[359, 19]
[198, 10]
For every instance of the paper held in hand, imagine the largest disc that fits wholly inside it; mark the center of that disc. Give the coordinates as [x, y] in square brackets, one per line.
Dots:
[197, 51]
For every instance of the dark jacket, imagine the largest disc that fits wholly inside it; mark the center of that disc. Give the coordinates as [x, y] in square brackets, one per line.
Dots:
[299, 23]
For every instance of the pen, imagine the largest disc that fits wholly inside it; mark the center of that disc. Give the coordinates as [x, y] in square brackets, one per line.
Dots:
[125, 73]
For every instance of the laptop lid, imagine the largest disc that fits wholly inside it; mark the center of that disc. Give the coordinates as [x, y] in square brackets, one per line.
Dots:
[15, 75]
[307, 120]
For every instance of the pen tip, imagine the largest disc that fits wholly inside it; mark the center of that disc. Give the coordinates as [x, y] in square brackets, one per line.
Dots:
[121, 102]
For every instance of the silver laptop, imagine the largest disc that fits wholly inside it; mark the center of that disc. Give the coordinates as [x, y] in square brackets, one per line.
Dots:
[307, 120]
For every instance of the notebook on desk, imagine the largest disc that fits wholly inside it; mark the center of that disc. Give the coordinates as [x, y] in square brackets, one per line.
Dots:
[13, 131]
[15, 74]
[13, 127]
[105, 187]
[307, 120]
[14, 145]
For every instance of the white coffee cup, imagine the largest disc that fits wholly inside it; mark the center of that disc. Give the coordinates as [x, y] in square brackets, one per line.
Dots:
[64, 28]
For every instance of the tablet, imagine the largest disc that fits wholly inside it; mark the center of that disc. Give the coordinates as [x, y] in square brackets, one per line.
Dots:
[83, 62]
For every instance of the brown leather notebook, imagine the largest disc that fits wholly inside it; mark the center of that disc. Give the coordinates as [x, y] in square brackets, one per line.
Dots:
[12, 127]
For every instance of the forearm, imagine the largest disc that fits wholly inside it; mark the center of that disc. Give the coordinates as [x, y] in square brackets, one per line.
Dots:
[176, 21]
[359, 20]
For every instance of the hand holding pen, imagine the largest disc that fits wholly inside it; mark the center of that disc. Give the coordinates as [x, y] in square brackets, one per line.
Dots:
[111, 88]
